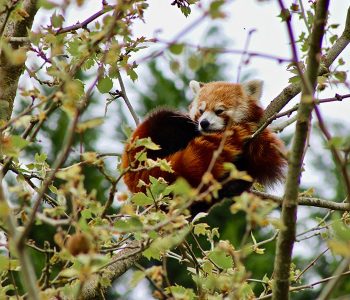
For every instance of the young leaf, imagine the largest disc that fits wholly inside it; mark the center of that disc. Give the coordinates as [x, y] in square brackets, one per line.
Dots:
[141, 199]
[105, 85]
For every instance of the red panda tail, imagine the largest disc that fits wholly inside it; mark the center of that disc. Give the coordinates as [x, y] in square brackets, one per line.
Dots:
[169, 129]
[264, 156]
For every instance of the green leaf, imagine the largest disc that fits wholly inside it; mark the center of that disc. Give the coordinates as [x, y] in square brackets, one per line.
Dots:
[221, 259]
[129, 225]
[200, 228]
[12, 145]
[92, 123]
[86, 214]
[105, 85]
[40, 158]
[180, 187]
[147, 143]
[176, 48]
[294, 79]
[132, 74]
[215, 9]
[333, 38]
[185, 10]
[57, 20]
[141, 199]
[341, 231]
[53, 189]
[127, 130]
[73, 47]
[194, 62]
[179, 292]
[137, 276]
[165, 166]
[18, 142]
[340, 75]
[46, 4]
[285, 14]
[8, 264]
[163, 244]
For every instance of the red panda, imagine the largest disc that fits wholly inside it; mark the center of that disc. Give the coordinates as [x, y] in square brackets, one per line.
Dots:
[188, 142]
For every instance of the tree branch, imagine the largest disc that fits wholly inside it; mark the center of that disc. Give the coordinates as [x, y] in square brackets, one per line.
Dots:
[307, 201]
[285, 241]
[121, 262]
[78, 25]
[10, 73]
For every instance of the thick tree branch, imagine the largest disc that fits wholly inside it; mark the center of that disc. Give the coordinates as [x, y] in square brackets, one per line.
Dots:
[10, 73]
[294, 89]
[286, 238]
[121, 262]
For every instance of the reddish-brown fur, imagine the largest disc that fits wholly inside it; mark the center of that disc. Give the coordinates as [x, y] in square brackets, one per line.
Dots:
[190, 163]
[261, 157]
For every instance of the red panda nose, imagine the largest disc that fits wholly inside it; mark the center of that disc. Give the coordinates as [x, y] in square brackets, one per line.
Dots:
[204, 124]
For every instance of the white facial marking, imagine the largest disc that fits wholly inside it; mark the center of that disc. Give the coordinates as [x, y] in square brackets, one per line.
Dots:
[194, 108]
[195, 86]
[215, 122]
[202, 106]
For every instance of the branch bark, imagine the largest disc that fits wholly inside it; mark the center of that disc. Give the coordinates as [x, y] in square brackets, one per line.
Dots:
[122, 261]
[286, 238]
[308, 201]
[10, 73]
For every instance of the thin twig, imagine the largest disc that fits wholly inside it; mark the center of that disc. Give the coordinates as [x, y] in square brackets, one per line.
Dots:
[312, 263]
[245, 50]
[303, 15]
[126, 99]
[79, 25]
[309, 286]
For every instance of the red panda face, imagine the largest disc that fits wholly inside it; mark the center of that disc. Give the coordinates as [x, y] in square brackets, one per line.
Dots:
[218, 103]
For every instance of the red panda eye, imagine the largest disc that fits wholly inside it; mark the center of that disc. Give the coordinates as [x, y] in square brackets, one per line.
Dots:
[219, 111]
[201, 111]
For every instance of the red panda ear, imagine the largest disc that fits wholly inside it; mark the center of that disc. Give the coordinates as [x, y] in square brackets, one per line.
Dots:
[253, 88]
[195, 86]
